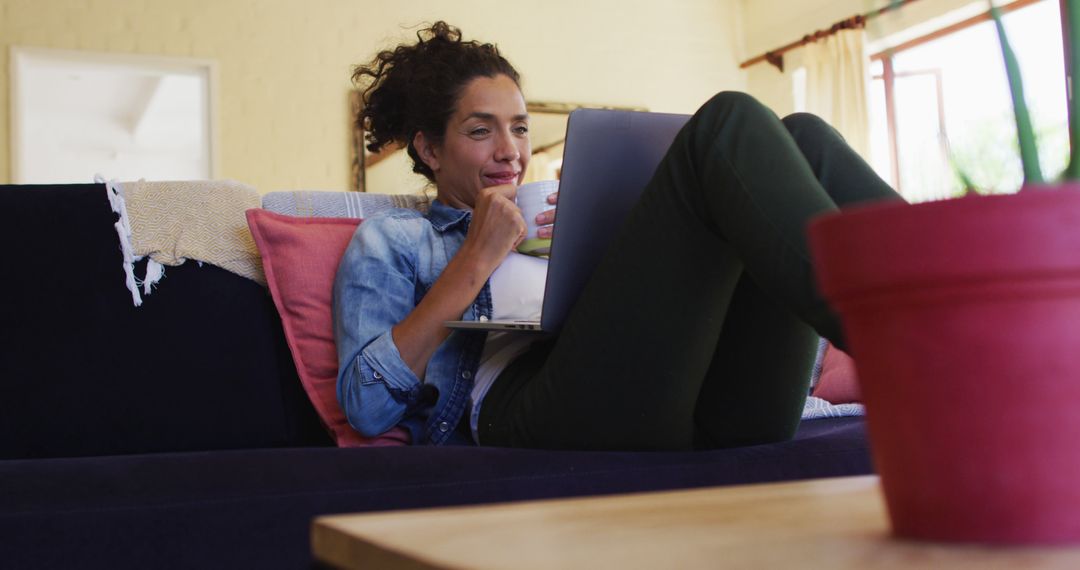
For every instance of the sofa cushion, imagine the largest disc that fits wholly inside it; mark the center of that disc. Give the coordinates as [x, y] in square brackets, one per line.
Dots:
[202, 364]
[300, 258]
[838, 382]
[253, 508]
[329, 204]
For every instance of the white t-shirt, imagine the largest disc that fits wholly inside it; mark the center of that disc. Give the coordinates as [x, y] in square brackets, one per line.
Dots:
[517, 293]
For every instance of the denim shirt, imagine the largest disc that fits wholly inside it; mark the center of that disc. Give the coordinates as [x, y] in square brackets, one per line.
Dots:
[391, 262]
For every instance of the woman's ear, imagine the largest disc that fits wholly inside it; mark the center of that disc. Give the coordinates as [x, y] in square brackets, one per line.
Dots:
[427, 151]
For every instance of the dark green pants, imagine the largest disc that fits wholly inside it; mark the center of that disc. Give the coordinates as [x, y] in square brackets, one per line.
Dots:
[697, 329]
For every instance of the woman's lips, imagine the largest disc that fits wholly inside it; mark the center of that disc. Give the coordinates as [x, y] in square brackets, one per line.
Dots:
[501, 177]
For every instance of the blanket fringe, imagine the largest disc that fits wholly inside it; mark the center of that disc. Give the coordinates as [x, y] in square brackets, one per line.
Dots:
[154, 273]
[115, 193]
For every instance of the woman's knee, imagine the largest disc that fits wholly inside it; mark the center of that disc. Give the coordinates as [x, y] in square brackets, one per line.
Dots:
[802, 125]
[733, 101]
[732, 112]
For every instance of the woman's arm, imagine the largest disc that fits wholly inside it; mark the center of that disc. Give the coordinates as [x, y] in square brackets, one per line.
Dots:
[384, 341]
[496, 229]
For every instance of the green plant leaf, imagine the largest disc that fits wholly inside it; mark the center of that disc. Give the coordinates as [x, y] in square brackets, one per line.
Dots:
[965, 180]
[1072, 28]
[1029, 152]
[958, 171]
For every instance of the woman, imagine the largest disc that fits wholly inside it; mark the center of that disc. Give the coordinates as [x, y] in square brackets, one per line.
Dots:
[697, 329]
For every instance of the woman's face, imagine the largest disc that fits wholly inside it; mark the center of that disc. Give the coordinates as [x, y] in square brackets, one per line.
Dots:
[486, 142]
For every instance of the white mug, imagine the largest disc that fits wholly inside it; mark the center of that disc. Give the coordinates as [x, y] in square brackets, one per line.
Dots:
[532, 200]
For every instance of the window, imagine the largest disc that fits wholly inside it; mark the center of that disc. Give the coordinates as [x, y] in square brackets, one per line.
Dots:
[942, 103]
[77, 114]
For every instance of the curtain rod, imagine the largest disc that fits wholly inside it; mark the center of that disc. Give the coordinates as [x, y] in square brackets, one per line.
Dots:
[776, 56]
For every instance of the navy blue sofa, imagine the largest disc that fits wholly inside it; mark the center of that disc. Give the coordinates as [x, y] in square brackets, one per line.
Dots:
[177, 435]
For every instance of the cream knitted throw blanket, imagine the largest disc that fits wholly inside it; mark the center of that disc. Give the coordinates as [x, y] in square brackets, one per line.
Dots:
[172, 222]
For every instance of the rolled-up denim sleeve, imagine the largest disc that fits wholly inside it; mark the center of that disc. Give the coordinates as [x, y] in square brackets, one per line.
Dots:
[374, 290]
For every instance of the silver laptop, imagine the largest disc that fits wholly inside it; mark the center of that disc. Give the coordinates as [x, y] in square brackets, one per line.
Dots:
[609, 158]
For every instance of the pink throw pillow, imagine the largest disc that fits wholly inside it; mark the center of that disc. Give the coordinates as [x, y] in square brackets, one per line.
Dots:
[839, 384]
[300, 257]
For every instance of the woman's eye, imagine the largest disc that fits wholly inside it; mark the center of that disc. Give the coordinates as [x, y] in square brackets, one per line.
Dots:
[521, 130]
[479, 132]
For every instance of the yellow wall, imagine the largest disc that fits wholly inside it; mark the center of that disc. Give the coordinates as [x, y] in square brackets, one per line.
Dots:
[284, 64]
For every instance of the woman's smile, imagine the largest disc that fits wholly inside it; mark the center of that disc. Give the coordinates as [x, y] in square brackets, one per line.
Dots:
[501, 177]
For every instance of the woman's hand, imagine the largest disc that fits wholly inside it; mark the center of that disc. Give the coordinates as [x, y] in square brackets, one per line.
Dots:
[546, 219]
[497, 226]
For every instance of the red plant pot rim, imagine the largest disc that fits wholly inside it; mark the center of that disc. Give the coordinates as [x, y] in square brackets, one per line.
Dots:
[1001, 240]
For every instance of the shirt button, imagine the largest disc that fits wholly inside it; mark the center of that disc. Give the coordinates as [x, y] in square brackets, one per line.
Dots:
[376, 375]
[444, 427]
[466, 375]
[483, 318]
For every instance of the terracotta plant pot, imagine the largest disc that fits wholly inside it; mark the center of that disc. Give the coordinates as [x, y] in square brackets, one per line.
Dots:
[963, 317]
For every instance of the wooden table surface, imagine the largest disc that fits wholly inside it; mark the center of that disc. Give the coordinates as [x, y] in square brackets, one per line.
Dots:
[833, 523]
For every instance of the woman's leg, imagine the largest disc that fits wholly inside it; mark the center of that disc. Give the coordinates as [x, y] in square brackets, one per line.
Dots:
[734, 193]
[757, 383]
[759, 375]
[844, 175]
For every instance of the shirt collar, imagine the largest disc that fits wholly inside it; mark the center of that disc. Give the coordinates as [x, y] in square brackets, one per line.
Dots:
[443, 217]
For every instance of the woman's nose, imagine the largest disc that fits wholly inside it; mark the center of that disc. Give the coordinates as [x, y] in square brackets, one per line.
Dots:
[506, 149]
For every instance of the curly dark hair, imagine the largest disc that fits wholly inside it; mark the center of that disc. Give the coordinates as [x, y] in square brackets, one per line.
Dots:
[415, 87]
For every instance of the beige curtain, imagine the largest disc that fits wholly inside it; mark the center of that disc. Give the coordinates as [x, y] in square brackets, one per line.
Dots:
[837, 81]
